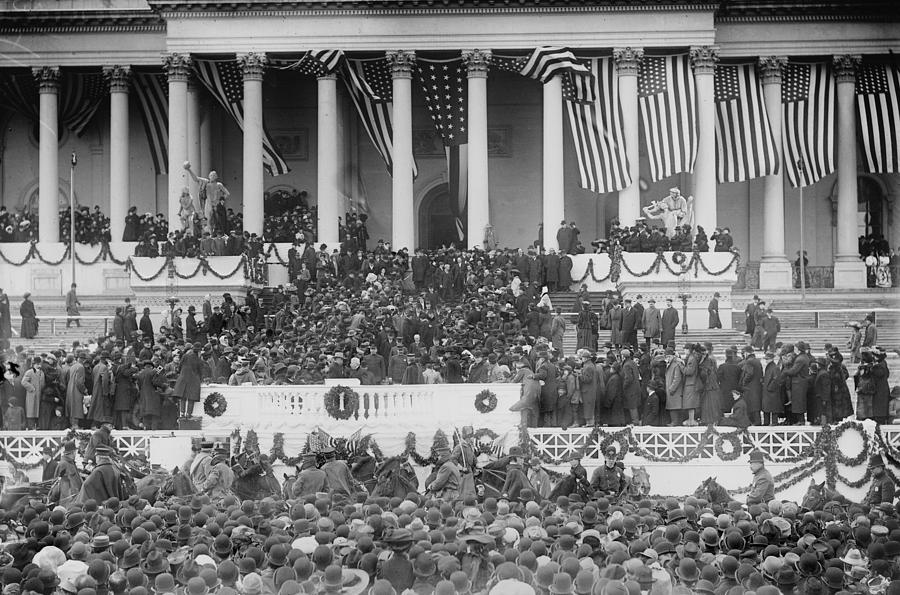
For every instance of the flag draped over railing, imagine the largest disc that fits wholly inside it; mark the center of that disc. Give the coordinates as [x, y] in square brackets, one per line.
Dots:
[597, 128]
[745, 146]
[878, 108]
[151, 92]
[667, 97]
[223, 79]
[445, 83]
[808, 111]
[81, 92]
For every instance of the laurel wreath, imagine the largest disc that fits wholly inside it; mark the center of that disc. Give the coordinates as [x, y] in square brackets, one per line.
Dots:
[485, 401]
[215, 404]
[734, 440]
[333, 400]
[679, 258]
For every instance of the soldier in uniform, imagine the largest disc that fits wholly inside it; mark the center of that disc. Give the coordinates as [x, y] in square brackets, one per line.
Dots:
[201, 465]
[609, 478]
[220, 479]
[762, 489]
[463, 455]
[882, 489]
[311, 479]
[445, 481]
[338, 478]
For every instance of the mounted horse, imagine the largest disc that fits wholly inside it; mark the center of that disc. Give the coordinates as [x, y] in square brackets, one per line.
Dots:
[821, 497]
[395, 477]
[713, 492]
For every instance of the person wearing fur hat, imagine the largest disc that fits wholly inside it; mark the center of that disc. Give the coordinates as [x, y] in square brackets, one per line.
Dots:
[882, 489]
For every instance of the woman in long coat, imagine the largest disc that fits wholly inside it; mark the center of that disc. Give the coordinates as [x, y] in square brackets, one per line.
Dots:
[33, 382]
[5, 321]
[612, 410]
[584, 326]
[841, 405]
[692, 386]
[773, 396]
[125, 395]
[187, 387]
[710, 402]
[530, 402]
[29, 318]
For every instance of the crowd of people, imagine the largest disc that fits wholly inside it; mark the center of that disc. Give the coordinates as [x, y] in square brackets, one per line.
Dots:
[350, 527]
[449, 316]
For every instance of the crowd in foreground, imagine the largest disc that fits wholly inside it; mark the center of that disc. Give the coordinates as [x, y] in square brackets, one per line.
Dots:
[350, 527]
[445, 316]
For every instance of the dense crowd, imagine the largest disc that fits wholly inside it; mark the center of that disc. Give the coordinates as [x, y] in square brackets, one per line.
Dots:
[449, 316]
[364, 526]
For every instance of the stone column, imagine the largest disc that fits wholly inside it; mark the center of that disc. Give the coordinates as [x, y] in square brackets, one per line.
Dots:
[774, 268]
[47, 78]
[849, 270]
[403, 217]
[627, 62]
[206, 117]
[894, 198]
[478, 200]
[193, 136]
[703, 59]
[328, 162]
[554, 202]
[178, 69]
[253, 67]
[119, 78]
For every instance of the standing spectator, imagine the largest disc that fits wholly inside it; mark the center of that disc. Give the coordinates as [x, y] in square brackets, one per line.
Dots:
[855, 342]
[76, 391]
[557, 331]
[146, 326]
[565, 273]
[869, 331]
[713, 309]
[631, 387]
[584, 326]
[29, 317]
[751, 384]
[729, 378]
[669, 323]
[772, 403]
[797, 376]
[33, 381]
[102, 391]
[750, 316]
[125, 394]
[651, 323]
[710, 401]
[149, 406]
[771, 328]
[674, 386]
[629, 325]
[187, 387]
[5, 321]
[841, 405]
[565, 238]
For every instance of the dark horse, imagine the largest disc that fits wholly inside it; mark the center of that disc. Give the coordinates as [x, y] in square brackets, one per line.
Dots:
[713, 492]
[395, 477]
[821, 497]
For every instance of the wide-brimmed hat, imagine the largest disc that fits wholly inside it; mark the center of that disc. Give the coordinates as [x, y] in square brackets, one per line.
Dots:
[854, 557]
[155, 563]
[876, 461]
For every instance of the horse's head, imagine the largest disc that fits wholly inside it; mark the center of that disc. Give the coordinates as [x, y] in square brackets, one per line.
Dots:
[702, 491]
[641, 480]
[815, 495]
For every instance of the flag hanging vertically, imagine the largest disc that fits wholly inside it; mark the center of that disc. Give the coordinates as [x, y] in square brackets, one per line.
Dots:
[80, 95]
[224, 80]
[667, 96]
[445, 83]
[808, 112]
[371, 89]
[878, 108]
[745, 146]
[151, 90]
[597, 127]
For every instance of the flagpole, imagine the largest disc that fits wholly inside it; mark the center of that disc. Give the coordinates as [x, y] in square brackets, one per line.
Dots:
[72, 211]
[801, 259]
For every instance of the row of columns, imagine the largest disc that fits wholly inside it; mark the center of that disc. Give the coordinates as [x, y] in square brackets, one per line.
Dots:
[190, 132]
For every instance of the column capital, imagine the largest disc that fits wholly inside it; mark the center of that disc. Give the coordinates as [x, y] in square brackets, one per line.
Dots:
[327, 77]
[477, 62]
[704, 58]
[401, 63]
[628, 60]
[253, 65]
[118, 78]
[47, 78]
[845, 66]
[177, 66]
[771, 67]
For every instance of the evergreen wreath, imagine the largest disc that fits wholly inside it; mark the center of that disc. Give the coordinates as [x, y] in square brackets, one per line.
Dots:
[215, 404]
[679, 258]
[333, 402]
[485, 401]
[736, 443]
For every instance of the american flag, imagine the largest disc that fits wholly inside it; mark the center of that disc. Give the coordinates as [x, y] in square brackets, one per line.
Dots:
[745, 146]
[224, 80]
[807, 106]
[371, 89]
[318, 439]
[313, 62]
[80, 98]
[546, 62]
[445, 83]
[597, 128]
[355, 441]
[878, 105]
[151, 90]
[18, 93]
[667, 96]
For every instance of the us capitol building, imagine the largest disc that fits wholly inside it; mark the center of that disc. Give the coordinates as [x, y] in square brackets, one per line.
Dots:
[334, 96]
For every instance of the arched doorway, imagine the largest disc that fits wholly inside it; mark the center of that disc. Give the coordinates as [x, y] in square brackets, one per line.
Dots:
[871, 210]
[437, 225]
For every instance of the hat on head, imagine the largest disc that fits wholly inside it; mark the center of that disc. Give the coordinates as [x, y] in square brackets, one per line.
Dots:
[757, 456]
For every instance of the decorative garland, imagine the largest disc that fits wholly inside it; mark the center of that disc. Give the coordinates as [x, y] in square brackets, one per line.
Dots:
[485, 401]
[695, 263]
[215, 404]
[483, 440]
[735, 442]
[34, 253]
[236, 441]
[333, 402]
[590, 271]
[251, 443]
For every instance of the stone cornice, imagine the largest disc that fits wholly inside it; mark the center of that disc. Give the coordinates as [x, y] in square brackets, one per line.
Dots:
[771, 11]
[100, 21]
[224, 8]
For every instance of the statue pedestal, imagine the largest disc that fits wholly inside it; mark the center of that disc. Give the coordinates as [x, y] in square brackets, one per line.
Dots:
[775, 275]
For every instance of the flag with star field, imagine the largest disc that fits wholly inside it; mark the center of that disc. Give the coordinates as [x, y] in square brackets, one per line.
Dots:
[445, 85]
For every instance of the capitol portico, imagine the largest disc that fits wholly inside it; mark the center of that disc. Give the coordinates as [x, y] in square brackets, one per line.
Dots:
[522, 168]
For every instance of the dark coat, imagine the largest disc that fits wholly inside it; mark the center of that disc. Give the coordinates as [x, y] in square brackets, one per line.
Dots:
[125, 391]
[565, 271]
[751, 383]
[146, 326]
[670, 322]
[729, 376]
[631, 384]
[612, 412]
[772, 379]
[149, 383]
[549, 391]
[187, 386]
[798, 377]
[102, 484]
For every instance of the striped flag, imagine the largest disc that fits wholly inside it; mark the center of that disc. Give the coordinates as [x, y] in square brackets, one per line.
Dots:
[80, 98]
[445, 83]
[354, 441]
[318, 439]
[224, 80]
[371, 89]
[878, 106]
[808, 112]
[313, 62]
[546, 62]
[745, 146]
[151, 90]
[597, 128]
[667, 96]
[18, 93]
